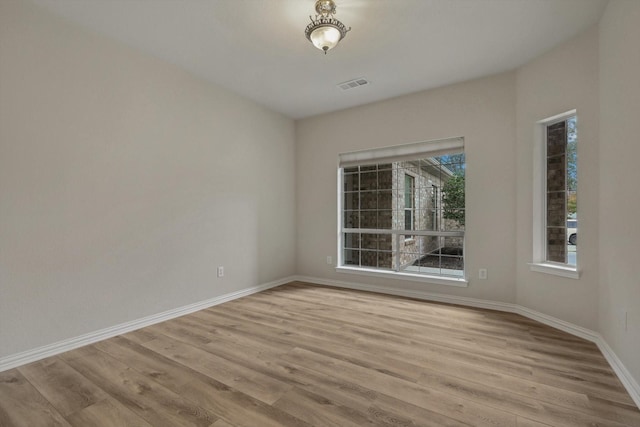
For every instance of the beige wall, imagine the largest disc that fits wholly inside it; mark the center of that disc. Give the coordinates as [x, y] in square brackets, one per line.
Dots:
[124, 182]
[619, 179]
[561, 80]
[482, 111]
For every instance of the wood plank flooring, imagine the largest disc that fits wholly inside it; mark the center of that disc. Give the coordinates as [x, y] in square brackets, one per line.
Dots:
[308, 355]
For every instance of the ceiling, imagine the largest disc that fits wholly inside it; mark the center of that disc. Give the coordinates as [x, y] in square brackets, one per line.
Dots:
[257, 48]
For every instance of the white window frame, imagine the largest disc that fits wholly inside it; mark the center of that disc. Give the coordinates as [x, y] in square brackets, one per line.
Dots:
[387, 155]
[539, 263]
[412, 209]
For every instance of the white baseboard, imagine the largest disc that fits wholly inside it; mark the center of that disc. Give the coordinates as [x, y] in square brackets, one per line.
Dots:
[19, 359]
[621, 371]
[411, 293]
[616, 364]
[554, 322]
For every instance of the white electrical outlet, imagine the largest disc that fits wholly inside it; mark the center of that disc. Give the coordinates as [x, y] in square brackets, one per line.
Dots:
[220, 271]
[329, 260]
[482, 274]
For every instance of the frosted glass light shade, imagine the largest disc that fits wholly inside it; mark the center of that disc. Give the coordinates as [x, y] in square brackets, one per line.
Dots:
[325, 37]
[325, 31]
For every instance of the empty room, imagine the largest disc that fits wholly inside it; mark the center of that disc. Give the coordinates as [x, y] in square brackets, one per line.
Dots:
[319, 213]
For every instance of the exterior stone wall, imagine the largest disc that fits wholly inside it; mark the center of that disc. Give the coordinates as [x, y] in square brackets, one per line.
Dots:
[368, 204]
[375, 198]
[428, 215]
[557, 192]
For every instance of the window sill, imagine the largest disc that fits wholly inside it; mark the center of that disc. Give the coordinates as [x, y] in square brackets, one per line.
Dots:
[556, 270]
[447, 281]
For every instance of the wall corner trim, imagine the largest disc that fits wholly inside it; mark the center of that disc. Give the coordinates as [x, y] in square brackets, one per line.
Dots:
[630, 383]
[22, 358]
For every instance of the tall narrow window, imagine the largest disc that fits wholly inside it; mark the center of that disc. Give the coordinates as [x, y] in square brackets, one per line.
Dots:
[409, 202]
[557, 192]
[556, 216]
[402, 211]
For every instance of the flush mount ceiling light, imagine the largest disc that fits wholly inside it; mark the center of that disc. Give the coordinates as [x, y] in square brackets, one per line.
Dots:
[325, 32]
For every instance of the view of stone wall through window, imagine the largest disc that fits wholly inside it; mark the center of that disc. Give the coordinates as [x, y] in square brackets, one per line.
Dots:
[383, 202]
[561, 189]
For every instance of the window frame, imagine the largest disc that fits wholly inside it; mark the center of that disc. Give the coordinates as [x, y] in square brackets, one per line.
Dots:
[391, 154]
[539, 262]
[411, 209]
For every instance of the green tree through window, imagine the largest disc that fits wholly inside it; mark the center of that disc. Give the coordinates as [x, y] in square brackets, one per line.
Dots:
[453, 192]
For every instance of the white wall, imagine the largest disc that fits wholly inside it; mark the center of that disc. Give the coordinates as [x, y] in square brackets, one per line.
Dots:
[124, 182]
[561, 80]
[482, 111]
[619, 211]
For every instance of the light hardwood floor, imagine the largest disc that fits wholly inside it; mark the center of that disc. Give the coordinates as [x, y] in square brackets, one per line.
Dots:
[308, 355]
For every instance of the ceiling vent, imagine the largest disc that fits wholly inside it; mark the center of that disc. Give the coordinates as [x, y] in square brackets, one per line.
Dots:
[352, 84]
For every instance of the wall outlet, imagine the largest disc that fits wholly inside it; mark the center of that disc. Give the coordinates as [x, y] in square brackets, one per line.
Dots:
[329, 260]
[220, 271]
[482, 274]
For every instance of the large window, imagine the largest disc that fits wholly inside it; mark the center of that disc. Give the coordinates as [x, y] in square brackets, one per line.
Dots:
[555, 196]
[402, 210]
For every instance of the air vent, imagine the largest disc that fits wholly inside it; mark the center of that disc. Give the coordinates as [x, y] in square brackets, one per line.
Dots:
[352, 84]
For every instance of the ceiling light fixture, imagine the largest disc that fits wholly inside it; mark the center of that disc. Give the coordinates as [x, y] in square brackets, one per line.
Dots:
[325, 32]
